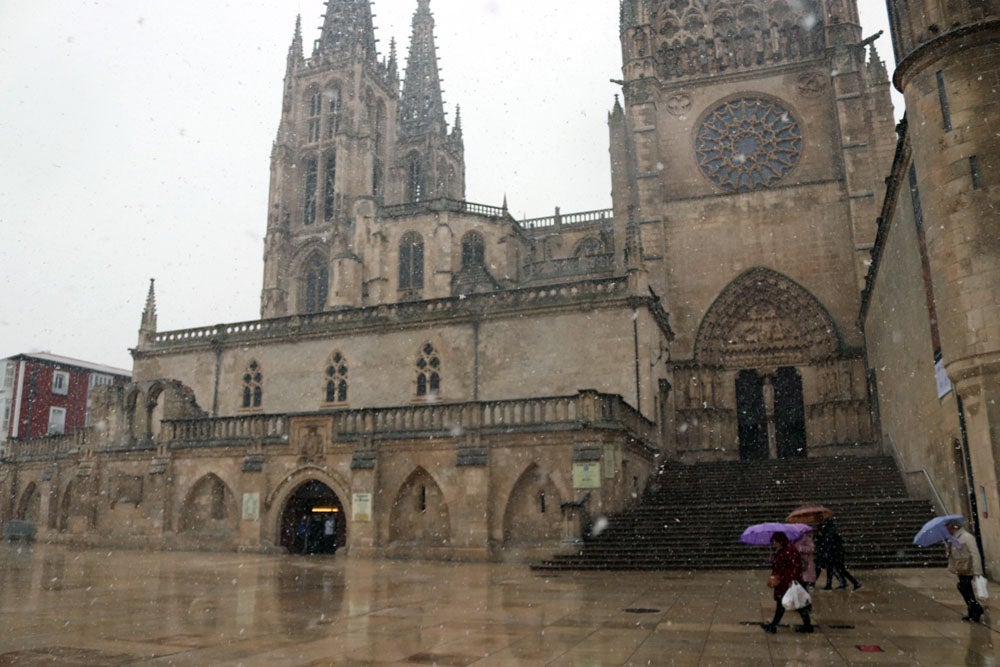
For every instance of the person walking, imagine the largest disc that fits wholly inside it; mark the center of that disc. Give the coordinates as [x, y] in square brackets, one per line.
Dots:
[965, 563]
[330, 534]
[833, 556]
[807, 549]
[786, 567]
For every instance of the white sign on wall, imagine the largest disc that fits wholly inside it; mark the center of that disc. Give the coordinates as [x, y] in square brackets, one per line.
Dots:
[251, 506]
[361, 507]
[943, 383]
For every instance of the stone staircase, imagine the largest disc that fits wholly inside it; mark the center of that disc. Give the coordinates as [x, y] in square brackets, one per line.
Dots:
[693, 515]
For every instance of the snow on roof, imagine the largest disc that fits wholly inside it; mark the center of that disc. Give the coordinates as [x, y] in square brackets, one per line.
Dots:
[68, 361]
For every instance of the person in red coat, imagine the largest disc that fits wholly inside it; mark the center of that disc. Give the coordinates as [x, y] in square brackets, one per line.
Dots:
[786, 567]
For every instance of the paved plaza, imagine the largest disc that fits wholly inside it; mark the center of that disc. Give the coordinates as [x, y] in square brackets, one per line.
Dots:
[63, 607]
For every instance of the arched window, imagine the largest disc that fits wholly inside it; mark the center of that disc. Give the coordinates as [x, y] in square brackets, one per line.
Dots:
[379, 136]
[473, 250]
[332, 112]
[336, 379]
[416, 184]
[253, 392]
[329, 184]
[428, 372]
[312, 176]
[411, 261]
[317, 285]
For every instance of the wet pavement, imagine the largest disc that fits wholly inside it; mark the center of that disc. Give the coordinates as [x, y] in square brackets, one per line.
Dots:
[62, 607]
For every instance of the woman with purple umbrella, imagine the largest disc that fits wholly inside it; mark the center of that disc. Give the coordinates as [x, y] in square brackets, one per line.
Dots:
[786, 567]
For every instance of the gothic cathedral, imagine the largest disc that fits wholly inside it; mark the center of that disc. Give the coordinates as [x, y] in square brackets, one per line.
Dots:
[459, 384]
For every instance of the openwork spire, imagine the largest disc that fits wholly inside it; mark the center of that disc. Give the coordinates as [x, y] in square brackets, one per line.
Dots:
[348, 24]
[422, 107]
[147, 328]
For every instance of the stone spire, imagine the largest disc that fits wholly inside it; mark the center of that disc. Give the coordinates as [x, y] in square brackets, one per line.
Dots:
[348, 25]
[422, 107]
[147, 328]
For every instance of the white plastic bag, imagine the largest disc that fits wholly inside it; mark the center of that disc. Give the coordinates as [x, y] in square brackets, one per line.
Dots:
[982, 590]
[795, 597]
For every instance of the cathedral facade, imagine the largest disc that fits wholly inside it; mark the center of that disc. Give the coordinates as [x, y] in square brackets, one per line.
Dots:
[453, 383]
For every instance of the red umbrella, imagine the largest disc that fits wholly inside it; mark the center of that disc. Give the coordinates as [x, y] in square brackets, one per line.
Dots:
[809, 514]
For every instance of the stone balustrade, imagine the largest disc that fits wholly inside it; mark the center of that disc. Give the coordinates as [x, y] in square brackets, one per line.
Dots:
[352, 319]
[49, 447]
[570, 266]
[225, 430]
[568, 219]
[442, 205]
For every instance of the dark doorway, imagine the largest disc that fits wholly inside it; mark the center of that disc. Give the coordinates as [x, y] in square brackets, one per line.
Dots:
[789, 414]
[751, 415]
[303, 521]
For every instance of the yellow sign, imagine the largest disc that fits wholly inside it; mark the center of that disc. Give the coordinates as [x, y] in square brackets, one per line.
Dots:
[587, 475]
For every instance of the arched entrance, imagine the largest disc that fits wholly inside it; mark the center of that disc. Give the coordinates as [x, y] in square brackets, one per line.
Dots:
[304, 517]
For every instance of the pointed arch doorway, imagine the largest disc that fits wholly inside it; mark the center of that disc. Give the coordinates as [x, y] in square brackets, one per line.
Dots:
[313, 502]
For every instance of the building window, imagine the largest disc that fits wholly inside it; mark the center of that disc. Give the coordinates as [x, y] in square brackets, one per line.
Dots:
[943, 101]
[312, 174]
[415, 183]
[473, 250]
[57, 421]
[428, 372]
[317, 285]
[253, 392]
[315, 109]
[411, 262]
[336, 379]
[8, 375]
[5, 419]
[60, 383]
[329, 183]
[100, 380]
[333, 113]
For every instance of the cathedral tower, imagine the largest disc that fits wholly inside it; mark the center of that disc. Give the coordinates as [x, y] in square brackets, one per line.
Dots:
[751, 153]
[348, 143]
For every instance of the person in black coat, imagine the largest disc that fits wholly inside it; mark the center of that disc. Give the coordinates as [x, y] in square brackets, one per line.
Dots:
[830, 556]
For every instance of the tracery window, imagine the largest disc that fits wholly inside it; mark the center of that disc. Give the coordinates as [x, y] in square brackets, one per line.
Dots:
[411, 262]
[428, 372]
[336, 379]
[312, 176]
[748, 144]
[473, 250]
[317, 285]
[253, 392]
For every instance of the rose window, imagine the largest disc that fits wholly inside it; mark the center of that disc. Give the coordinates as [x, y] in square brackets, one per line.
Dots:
[748, 144]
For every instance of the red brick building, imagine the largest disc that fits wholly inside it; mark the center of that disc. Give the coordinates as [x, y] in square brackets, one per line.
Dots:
[45, 394]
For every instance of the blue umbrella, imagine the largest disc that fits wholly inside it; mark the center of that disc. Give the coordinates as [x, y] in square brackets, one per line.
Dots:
[934, 531]
[759, 534]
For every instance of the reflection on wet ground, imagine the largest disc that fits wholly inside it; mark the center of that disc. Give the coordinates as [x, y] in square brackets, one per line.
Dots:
[61, 607]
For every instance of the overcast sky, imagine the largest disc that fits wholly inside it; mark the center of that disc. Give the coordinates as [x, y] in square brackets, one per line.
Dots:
[135, 138]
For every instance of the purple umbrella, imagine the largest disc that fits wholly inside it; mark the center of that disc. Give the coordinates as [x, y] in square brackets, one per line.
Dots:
[759, 535]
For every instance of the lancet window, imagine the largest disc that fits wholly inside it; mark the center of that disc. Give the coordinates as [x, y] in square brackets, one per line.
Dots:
[333, 113]
[317, 285]
[411, 262]
[329, 186]
[416, 183]
[428, 372]
[312, 175]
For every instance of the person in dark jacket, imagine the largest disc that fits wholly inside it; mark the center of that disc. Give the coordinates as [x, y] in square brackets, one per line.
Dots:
[786, 567]
[830, 555]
